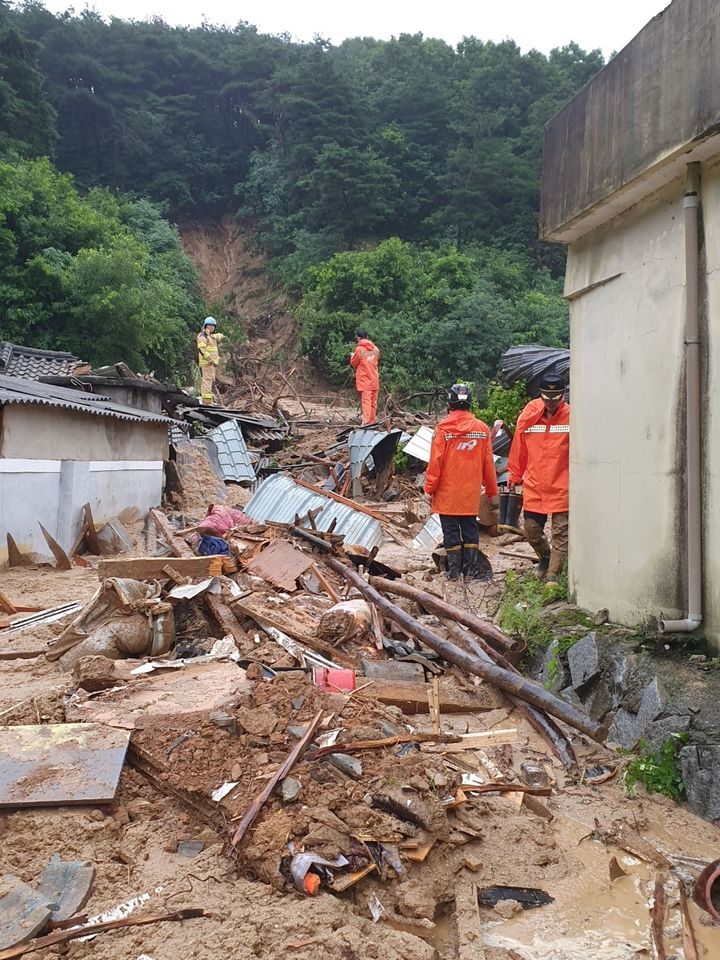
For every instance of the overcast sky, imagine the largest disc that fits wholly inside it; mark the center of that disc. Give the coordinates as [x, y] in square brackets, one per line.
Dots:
[543, 24]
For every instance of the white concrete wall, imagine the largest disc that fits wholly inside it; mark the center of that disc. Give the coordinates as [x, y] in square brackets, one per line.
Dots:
[53, 492]
[627, 442]
[33, 432]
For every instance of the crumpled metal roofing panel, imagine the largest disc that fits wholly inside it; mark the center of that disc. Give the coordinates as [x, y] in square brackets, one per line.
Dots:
[14, 390]
[419, 446]
[361, 444]
[430, 535]
[530, 362]
[233, 454]
[280, 499]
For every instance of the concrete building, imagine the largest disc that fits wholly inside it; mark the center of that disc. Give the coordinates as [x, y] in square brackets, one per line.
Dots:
[627, 166]
[61, 449]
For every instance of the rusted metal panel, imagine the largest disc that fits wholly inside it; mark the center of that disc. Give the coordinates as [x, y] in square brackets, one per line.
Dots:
[60, 763]
[280, 564]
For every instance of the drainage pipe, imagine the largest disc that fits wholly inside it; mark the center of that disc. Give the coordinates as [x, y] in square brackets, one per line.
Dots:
[691, 205]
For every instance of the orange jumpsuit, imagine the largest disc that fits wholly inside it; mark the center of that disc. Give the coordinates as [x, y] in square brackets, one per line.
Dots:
[366, 361]
[540, 458]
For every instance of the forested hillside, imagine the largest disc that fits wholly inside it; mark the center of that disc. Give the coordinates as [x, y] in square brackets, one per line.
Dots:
[393, 183]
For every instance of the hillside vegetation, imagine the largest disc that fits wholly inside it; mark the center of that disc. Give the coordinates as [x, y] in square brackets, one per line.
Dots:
[392, 183]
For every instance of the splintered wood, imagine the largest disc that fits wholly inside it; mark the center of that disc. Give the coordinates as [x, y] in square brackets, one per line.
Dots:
[280, 564]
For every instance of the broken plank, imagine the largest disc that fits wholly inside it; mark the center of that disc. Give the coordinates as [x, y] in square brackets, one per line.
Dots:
[226, 620]
[690, 946]
[178, 547]
[90, 531]
[15, 556]
[467, 919]
[61, 558]
[280, 774]
[6, 605]
[657, 923]
[476, 741]
[325, 583]
[153, 568]
[413, 697]
[90, 930]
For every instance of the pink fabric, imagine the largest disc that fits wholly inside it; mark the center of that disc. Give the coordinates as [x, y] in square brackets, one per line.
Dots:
[221, 519]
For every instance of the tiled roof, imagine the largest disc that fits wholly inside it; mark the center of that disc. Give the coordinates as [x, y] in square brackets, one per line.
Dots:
[29, 363]
[15, 390]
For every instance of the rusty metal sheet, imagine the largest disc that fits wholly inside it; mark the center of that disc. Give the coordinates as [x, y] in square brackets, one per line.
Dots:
[280, 564]
[60, 763]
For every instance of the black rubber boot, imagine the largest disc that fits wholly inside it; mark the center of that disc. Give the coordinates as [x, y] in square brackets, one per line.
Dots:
[541, 568]
[454, 563]
[476, 565]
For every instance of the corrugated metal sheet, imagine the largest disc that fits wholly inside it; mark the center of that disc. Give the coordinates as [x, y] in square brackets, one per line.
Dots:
[14, 390]
[29, 363]
[233, 454]
[361, 444]
[530, 363]
[419, 446]
[430, 535]
[279, 499]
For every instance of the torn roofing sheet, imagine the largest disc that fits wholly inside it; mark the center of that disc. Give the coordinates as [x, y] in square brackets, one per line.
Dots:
[232, 452]
[362, 443]
[419, 445]
[280, 499]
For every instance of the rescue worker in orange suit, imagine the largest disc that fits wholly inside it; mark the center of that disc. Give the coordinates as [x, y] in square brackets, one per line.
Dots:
[461, 463]
[366, 363]
[540, 461]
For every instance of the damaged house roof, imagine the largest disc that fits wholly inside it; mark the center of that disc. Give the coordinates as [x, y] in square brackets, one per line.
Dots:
[29, 363]
[14, 390]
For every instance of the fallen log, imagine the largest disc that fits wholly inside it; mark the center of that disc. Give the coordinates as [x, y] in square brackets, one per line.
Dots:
[433, 604]
[510, 683]
[280, 774]
[545, 726]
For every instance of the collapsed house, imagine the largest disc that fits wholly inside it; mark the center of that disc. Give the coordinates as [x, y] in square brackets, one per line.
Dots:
[61, 449]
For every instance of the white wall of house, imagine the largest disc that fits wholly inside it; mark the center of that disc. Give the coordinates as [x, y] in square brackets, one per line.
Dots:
[625, 281]
[66, 460]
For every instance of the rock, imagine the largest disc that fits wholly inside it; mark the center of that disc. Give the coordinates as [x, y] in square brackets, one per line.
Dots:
[661, 730]
[569, 694]
[624, 729]
[507, 908]
[95, 673]
[258, 721]
[700, 767]
[584, 661]
[346, 764]
[425, 812]
[291, 789]
[552, 673]
[235, 773]
[601, 617]
[190, 848]
[652, 703]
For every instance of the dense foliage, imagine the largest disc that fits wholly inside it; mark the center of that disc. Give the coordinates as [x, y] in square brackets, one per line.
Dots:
[326, 150]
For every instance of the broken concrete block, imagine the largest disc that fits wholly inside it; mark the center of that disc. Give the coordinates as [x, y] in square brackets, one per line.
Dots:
[67, 885]
[700, 767]
[95, 673]
[584, 661]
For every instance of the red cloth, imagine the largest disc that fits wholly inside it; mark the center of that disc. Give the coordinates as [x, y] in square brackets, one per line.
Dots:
[221, 519]
[366, 363]
[540, 458]
[461, 463]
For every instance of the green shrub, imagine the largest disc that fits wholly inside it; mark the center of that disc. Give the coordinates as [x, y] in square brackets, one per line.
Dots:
[659, 771]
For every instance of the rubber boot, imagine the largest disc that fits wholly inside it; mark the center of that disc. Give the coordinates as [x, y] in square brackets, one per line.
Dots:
[511, 523]
[476, 565]
[541, 568]
[454, 563]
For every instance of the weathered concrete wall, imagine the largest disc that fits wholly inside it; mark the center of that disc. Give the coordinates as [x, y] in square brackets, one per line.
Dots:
[37, 432]
[657, 96]
[138, 397]
[627, 536]
[53, 492]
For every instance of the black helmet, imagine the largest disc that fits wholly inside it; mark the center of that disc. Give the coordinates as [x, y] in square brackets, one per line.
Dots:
[459, 397]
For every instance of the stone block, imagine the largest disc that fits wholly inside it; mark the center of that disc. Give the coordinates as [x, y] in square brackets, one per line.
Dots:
[584, 661]
[624, 729]
[552, 673]
[661, 730]
[700, 767]
[652, 703]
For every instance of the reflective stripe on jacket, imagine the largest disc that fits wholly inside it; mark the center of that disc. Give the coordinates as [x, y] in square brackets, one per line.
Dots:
[461, 463]
[540, 458]
[207, 346]
[366, 360]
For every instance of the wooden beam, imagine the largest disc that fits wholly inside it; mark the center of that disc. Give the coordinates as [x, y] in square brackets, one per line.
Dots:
[413, 697]
[153, 568]
[227, 621]
[178, 547]
[90, 531]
